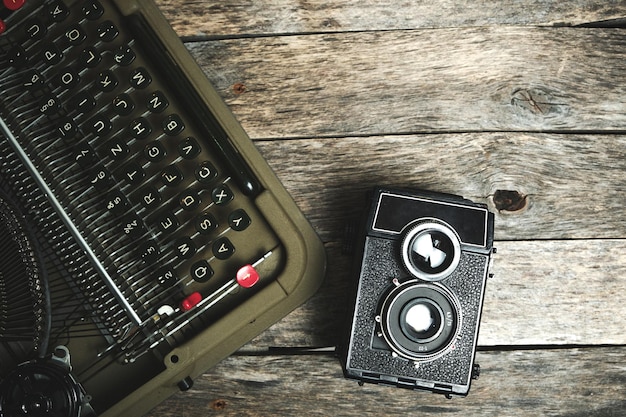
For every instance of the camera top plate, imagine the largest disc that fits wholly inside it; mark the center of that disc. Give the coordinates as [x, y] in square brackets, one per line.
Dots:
[468, 219]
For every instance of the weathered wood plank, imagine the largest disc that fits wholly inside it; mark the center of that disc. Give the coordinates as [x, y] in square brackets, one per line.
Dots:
[543, 292]
[477, 79]
[577, 382]
[237, 17]
[574, 184]
[575, 189]
[353, 107]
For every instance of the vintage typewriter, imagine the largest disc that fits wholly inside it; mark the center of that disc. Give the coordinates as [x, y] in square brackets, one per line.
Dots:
[142, 236]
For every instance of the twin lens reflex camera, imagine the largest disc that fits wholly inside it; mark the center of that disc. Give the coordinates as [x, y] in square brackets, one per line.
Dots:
[421, 281]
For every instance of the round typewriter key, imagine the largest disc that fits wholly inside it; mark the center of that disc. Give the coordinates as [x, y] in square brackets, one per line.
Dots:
[201, 271]
[157, 102]
[117, 149]
[189, 148]
[140, 129]
[32, 79]
[150, 197]
[107, 81]
[49, 105]
[205, 223]
[124, 55]
[149, 252]
[189, 200]
[36, 29]
[82, 102]
[67, 78]
[223, 248]
[239, 220]
[222, 195]
[172, 125]
[171, 176]
[140, 78]
[123, 105]
[107, 31]
[17, 56]
[166, 277]
[206, 172]
[57, 11]
[185, 248]
[75, 35]
[90, 57]
[13, 4]
[247, 276]
[154, 151]
[67, 128]
[92, 10]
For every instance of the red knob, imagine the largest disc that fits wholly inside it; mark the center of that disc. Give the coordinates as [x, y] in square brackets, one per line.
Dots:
[13, 4]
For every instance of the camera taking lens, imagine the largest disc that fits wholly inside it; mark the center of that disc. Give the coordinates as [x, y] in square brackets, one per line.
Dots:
[419, 320]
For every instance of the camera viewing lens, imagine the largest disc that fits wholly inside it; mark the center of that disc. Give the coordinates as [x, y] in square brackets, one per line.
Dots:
[430, 251]
[420, 320]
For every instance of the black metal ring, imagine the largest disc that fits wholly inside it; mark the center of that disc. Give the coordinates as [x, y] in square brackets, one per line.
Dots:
[434, 342]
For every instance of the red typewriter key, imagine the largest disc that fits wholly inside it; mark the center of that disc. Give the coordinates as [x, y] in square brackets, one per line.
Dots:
[3, 26]
[191, 301]
[247, 276]
[13, 4]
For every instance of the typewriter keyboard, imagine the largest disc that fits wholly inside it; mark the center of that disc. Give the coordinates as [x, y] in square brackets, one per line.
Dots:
[146, 186]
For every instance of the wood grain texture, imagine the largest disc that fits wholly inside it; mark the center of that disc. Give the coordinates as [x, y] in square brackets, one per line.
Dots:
[572, 383]
[574, 184]
[248, 17]
[473, 79]
[542, 293]
[501, 102]
[574, 187]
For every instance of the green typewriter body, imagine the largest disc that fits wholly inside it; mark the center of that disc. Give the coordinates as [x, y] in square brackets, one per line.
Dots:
[153, 238]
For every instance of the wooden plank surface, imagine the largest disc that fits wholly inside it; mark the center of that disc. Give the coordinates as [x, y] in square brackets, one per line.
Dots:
[574, 184]
[574, 187]
[249, 17]
[570, 382]
[542, 293]
[502, 102]
[446, 80]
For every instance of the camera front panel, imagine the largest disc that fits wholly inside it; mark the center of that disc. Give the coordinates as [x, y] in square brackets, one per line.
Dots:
[419, 329]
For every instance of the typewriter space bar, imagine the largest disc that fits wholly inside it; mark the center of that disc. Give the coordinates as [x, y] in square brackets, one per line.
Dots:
[132, 314]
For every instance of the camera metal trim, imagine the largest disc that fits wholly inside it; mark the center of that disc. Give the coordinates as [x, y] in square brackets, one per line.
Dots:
[413, 231]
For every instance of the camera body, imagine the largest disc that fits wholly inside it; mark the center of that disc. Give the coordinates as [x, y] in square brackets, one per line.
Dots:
[422, 264]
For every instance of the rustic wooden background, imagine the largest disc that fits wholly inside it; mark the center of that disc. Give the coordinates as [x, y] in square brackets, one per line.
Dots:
[520, 104]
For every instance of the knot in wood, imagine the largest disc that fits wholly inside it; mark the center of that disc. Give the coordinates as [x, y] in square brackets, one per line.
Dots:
[507, 200]
[239, 88]
[218, 404]
[538, 101]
